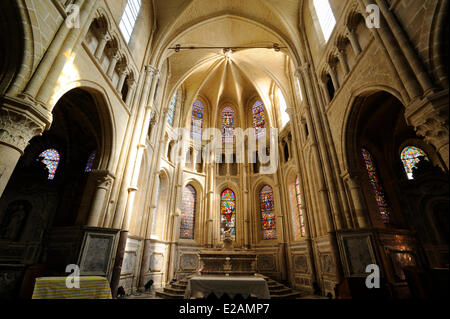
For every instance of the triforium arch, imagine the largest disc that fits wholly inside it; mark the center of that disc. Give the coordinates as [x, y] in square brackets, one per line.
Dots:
[70, 188]
[107, 128]
[384, 196]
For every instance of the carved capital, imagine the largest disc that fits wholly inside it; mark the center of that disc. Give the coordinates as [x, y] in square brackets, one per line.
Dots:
[152, 70]
[340, 54]
[113, 53]
[291, 112]
[17, 128]
[103, 179]
[104, 35]
[429, 117]
[154, 118]
[349, 31]
[304, 68]
[131, 83]
[123, 70]
[352, 178]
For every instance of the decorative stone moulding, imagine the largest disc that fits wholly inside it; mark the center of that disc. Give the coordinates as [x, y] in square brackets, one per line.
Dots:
[18, 126]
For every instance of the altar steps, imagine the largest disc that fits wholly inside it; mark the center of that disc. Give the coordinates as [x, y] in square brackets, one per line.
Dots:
[280, 291]
[276, 290]
[174, 291]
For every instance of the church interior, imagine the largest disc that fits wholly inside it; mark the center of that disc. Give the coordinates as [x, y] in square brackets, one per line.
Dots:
[152, 144]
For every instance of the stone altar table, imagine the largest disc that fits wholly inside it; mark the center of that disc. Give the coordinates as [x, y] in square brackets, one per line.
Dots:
[228, 262]
[202, 286]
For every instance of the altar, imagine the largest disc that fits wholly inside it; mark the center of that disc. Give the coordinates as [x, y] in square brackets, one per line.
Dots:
[203, 286]
[228, 262]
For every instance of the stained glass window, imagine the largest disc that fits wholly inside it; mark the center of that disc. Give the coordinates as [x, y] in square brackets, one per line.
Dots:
[267, 213]
[228, 212]
[188, 213]
[228, 125]
[258, 119]
[197, 120]
[90, 162]
[173, 103]
[376, 186]
[298, 223]
[51, 160]
[410, 158]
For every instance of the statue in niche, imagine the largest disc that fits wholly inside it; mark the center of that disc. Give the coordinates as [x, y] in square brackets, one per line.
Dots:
[227, 241]
[14, 219]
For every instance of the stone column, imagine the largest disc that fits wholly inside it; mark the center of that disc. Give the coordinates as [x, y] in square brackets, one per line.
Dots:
[405, 45]
[18, 125]
[103, 180]
[324, 87]
[296, 141]
[131, 87]
[321, 178]
[209, 217]
[330, 204]
[153, 205]
[393, 49]
[245, 204]
[123, 196]
[350, 34]
[123, 74]
[112, 65]
[429, 117]
[334, 77]
[133, 188]
[354, 185]
[280, 216]
[53, 61]
[174, 228]
[101, 45]
[117, 268]
[343, 60]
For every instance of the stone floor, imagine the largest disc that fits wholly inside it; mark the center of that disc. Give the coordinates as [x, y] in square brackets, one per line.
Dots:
[144, 295]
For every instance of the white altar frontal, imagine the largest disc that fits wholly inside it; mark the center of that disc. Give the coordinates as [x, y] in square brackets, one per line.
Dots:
[203, 286]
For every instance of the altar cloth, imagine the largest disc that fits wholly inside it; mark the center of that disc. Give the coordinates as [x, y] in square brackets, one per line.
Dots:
[91, 287]
[202, 286]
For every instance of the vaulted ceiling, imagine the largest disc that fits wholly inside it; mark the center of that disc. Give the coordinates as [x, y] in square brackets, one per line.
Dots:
[248, 72]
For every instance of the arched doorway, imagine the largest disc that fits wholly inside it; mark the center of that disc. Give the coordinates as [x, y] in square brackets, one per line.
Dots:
[52, 185]
[377, 136]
